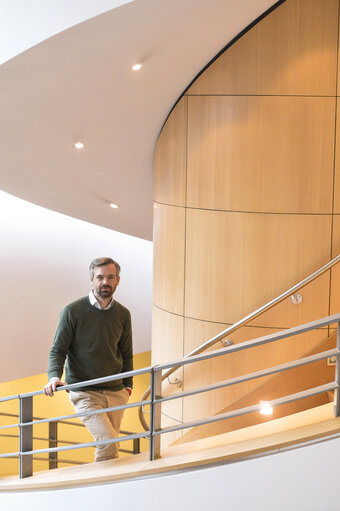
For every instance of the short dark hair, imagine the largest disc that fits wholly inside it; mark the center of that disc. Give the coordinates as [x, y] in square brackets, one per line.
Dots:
[102, 261]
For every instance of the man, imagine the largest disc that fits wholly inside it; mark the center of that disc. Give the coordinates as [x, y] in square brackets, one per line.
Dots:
[94, 337]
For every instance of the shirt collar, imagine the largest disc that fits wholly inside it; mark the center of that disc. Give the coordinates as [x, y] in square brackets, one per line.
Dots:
[95, 303]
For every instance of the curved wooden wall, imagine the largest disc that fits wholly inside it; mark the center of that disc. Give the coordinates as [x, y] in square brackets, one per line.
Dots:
[247, 195]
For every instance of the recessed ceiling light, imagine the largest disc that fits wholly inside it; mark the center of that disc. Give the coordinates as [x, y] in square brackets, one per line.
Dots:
[137, 67]
[114, 206]
[266, 408]
[78, 145]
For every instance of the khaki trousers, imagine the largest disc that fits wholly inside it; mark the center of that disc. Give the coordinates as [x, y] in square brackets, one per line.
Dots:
[103, 426]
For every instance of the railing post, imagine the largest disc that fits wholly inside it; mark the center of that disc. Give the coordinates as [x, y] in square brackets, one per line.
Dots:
[136, 446]
[155, 415]
[53, 442]
[337, 376]
[25, 436]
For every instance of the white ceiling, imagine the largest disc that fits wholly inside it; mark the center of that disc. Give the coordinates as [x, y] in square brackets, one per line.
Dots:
[78, 85]
[25, 23]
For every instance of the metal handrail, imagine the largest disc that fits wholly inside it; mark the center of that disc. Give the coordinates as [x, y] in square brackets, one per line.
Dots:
[72, 447]
[26, 422]
[252, 376]
[80, 385]
[157, 431]
[71, 416]
[250, 409]
[233, 328]
[26, 451]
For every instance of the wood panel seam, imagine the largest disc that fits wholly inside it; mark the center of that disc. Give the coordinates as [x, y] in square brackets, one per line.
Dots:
[225, 324]
[334, 165]
[246, 211]
[263, 95]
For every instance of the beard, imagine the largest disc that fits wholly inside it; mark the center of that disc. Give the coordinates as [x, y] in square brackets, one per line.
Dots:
[106, 291]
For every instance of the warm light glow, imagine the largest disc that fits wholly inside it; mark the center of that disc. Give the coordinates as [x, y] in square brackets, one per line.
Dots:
[266, 408]
[78, 145]
[137, 67]
[114, 206]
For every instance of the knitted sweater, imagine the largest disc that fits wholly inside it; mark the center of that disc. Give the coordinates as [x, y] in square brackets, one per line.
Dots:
[94, 343]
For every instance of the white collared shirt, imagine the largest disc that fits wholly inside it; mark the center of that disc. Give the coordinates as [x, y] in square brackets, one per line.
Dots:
[95, 303]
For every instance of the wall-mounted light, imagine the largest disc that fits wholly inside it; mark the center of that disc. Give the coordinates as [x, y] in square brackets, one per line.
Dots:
[266, 408]
[114, 206]
[78, 145]
[137, 67]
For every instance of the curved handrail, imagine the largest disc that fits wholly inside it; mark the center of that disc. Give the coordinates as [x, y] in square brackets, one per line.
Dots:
[219, 337]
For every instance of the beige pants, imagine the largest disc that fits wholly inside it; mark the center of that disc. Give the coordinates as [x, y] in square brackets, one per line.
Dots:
[103, 426]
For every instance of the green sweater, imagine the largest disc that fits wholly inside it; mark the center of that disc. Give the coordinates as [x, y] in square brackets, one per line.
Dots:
[94, 343]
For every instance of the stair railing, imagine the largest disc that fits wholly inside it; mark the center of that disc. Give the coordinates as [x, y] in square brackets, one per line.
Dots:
[233, 328]
[54, 440]
[26, 422]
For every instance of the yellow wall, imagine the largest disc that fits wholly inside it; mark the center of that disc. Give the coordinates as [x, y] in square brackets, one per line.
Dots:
[246, 168]
[45, 407]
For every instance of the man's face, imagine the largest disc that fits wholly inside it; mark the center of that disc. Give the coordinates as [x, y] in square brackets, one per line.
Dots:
[104, 281]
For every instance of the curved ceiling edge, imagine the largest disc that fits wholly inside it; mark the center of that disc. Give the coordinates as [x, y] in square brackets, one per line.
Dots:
[25, 24]
[78, 85]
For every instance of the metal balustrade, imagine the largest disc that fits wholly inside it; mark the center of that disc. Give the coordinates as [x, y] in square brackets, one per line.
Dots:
[53, 440]
[242, 322]
[27, 422]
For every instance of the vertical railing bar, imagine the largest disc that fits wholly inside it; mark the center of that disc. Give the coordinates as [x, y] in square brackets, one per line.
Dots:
[25, 436]
[152, 415]
[53, 442]
[155, 416]
[136, 446]
[337, 375]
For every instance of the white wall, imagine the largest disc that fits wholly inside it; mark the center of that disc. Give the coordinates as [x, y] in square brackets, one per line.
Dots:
[305, 479]
[44, 260]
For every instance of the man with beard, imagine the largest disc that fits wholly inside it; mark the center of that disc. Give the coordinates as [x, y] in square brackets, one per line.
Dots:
[94, 338]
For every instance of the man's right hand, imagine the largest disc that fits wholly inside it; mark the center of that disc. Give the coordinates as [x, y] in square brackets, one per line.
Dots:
[51, 386]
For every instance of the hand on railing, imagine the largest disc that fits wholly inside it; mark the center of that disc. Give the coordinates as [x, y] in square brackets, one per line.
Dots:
[52, 385]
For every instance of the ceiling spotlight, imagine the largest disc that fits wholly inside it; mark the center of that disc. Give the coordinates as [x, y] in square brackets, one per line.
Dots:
[137, 67]
[78, 145]
[266, 408]
[114, 206]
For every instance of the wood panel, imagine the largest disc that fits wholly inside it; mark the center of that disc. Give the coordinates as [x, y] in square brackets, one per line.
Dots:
[204, 373]
[337, 165]
[237, 262]
[168, 270]
[236, 364]
[167, 336]
[335, 281]
[336, 236]
[167, 345]
[170, 158]
[314, 305]
[335, 294]
[272, 154]
[291, 51]
[338, 88]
